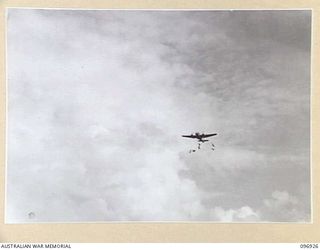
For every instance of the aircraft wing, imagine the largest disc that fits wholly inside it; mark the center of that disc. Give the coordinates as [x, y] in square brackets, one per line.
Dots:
[189, 136]
[208, 135]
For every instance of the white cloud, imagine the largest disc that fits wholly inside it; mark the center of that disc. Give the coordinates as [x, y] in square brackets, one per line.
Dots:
[98, 102]
[280, 199]
[283, 206]
[233, 215]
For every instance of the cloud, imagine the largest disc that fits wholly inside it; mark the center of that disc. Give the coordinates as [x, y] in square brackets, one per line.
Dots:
[95, 121]
[242, 214]
[280, 199]
[283, 206]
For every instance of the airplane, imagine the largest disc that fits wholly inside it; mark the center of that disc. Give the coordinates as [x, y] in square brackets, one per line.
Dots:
[199, 136]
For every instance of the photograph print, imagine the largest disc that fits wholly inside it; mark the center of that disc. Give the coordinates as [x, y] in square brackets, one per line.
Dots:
[158, 116]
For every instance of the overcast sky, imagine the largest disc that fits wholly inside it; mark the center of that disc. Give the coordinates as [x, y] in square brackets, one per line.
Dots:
[98, 101]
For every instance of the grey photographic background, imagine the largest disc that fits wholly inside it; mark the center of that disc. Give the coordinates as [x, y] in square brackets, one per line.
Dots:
[98, 101]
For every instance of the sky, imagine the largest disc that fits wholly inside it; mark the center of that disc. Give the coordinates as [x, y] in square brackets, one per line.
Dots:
[98, 101]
